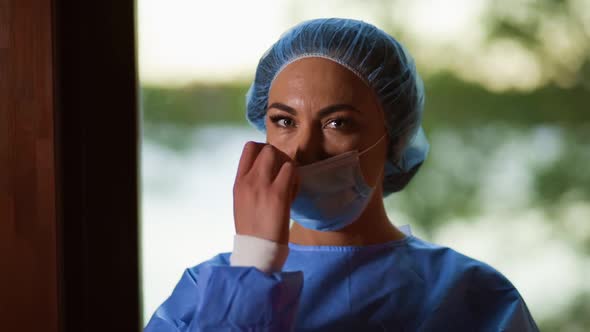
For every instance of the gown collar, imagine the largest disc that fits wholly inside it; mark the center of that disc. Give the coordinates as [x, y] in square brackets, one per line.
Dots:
[406, 229]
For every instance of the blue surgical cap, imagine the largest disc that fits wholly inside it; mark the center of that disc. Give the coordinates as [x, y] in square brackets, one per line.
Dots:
[377, 59]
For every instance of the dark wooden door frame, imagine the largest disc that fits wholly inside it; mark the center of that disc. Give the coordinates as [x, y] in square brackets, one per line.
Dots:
[69, 138]
[97, 140]
[28, 232]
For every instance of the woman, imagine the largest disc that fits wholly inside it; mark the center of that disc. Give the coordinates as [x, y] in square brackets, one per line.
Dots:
[341, 104]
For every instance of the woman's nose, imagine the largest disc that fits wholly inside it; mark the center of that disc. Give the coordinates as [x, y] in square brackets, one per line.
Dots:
[307, 147]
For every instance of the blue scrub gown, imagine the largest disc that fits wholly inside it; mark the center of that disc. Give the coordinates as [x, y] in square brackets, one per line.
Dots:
[403, 285]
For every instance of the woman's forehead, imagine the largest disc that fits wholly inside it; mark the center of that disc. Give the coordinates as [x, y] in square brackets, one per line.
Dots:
[318, 81]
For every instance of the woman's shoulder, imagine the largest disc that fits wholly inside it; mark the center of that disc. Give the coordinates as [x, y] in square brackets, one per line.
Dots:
[472, 287]
[440, 260]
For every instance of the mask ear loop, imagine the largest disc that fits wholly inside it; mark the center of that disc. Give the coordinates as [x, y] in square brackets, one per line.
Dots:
[372, 146]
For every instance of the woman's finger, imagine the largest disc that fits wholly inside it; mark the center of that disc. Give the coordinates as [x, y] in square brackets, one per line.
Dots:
[285, 180]
[249, 153]
[266, 164]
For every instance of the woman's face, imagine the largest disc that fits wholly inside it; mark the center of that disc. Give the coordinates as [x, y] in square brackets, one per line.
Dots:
[318, 109]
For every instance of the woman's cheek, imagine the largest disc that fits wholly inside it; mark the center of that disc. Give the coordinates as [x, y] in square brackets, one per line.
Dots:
[282, 143]
[372, 164]
[335, 144]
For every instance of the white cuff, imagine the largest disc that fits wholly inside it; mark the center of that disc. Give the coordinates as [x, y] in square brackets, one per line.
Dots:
[265, 255]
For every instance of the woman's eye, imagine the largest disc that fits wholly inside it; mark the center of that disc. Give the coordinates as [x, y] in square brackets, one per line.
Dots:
[282, 121]
[336, 123]
[285, 122]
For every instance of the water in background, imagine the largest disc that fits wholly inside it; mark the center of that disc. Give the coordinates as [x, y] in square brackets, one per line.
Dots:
[492, 193]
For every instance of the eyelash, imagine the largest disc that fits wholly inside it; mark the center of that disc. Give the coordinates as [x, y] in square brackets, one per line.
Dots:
[276, 118]
[345, 122]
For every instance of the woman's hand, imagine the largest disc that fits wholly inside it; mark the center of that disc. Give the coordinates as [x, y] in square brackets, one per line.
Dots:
[264, 189]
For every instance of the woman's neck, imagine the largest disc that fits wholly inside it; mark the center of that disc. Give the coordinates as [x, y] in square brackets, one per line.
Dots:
[372, 227]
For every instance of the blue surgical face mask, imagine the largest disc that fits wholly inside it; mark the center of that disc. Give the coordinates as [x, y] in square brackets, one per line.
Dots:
[332, 192]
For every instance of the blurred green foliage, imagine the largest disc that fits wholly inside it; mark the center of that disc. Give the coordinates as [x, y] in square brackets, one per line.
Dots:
[556, 32]
[449, 101]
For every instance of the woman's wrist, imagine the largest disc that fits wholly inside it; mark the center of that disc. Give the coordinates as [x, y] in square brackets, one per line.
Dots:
[265, 255]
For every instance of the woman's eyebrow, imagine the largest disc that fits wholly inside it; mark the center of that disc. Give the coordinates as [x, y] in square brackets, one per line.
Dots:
[283, 107]
[322, 113]
[335, 108]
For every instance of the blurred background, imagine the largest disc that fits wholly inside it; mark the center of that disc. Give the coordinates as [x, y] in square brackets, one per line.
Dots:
[507, 92]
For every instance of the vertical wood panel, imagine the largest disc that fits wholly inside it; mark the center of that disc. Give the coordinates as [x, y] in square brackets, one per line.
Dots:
[28, 225]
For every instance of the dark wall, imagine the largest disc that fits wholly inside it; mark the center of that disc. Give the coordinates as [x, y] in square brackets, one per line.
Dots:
[97, 156]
